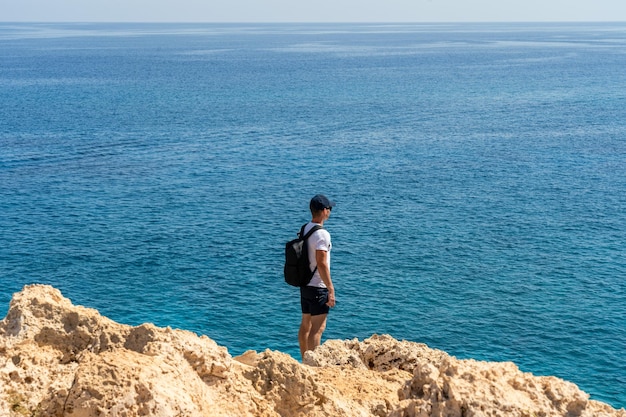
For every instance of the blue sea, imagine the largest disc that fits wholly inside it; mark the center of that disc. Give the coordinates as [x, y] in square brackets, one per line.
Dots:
[155, 171]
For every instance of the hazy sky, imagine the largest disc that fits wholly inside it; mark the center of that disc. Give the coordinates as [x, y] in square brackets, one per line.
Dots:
[311, 11]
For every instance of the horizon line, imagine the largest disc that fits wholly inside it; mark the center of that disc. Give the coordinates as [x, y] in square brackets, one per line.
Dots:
[313, 22]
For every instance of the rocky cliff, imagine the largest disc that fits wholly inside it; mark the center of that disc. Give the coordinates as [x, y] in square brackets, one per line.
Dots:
[58, 359]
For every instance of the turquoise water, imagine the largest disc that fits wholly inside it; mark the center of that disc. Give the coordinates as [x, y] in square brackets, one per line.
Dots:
[154, 172]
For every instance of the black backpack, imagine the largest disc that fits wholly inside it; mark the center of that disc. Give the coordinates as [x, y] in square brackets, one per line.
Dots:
[297, 270]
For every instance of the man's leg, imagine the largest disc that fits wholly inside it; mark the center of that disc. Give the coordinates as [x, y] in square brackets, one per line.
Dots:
[318, 325]
[303, 333]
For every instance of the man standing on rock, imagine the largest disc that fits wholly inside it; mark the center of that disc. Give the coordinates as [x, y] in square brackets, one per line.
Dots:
[319, 295]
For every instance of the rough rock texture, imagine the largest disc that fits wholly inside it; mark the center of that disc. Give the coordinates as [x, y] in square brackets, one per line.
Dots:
[58, 359]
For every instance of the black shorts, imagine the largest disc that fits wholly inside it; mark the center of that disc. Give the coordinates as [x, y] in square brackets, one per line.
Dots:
[313, 300]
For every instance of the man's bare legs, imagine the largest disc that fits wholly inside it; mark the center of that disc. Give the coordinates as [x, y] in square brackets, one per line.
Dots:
[310, 333]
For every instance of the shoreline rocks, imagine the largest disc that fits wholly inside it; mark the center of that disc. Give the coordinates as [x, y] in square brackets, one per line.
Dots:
[59, 359]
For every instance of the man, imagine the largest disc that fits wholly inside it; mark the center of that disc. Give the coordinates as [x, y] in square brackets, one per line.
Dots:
[317, 298]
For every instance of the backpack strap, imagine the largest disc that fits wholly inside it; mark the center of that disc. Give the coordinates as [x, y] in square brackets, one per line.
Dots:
[309, 233]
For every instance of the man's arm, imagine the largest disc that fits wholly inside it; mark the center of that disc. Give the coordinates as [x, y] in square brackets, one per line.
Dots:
[321, 257]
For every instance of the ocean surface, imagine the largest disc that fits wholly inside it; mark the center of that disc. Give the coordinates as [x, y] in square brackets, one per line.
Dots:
[155, 171]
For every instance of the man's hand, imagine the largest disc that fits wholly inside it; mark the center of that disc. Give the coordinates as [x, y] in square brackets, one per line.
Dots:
[321, 257]
[331, 299]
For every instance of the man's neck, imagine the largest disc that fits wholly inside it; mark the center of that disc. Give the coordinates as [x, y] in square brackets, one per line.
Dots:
[319, 220]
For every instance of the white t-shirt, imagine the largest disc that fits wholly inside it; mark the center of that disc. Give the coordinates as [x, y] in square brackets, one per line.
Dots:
[319, 240]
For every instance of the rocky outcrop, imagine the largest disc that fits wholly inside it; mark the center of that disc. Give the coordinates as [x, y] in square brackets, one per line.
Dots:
[58, 359]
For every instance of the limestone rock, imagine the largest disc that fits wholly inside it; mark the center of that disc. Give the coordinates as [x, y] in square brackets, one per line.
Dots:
[380, 353]
[443, 386]
[58, 359]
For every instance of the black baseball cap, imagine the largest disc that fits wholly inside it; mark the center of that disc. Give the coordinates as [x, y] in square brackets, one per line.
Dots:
[320, 202]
